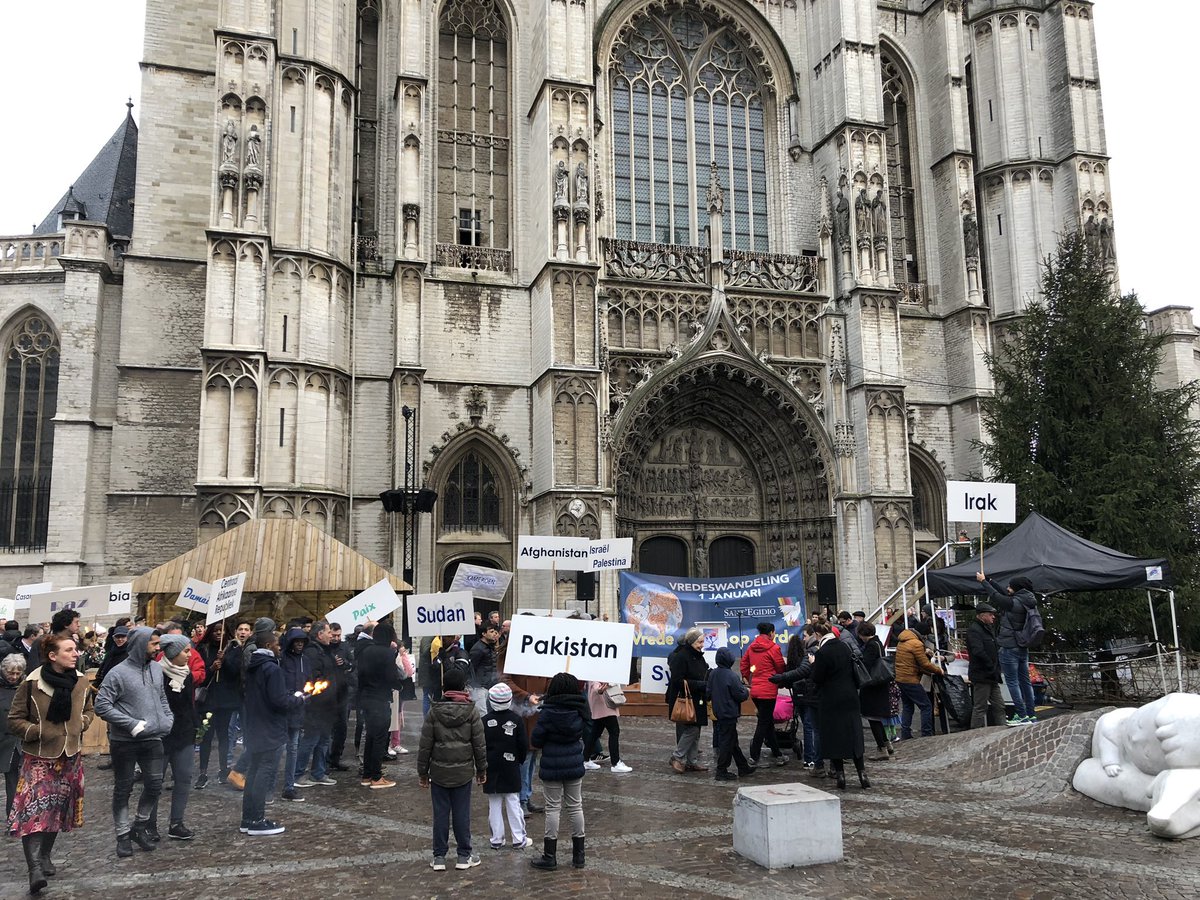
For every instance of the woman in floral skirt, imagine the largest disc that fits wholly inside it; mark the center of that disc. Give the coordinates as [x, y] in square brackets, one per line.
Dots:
[50, 712]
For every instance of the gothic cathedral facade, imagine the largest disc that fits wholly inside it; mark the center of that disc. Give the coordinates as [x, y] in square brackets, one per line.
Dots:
[717, 275]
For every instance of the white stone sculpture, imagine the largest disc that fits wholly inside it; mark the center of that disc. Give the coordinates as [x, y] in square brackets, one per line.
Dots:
[1149, 759]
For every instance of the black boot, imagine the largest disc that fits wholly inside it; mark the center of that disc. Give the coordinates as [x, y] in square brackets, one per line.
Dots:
[577, 852]
[124, 846]
[32, 844]
[48, 867]
[139, 836]
[549, 858]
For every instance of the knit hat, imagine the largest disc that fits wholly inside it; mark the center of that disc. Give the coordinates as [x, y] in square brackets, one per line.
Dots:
[173, 644]
[500, 696]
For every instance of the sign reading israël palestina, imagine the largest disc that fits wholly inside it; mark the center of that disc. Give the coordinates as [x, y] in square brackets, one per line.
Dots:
[589, 650]
[483, 583]
[452, 612]
[661, 608]
[370, 605]
[573, 554]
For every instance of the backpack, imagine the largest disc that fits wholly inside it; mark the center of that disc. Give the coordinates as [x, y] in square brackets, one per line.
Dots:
[1033, 632]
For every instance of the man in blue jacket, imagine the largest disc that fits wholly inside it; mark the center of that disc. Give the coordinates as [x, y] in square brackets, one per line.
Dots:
[265, 729]
[727, 693]
[133, 703]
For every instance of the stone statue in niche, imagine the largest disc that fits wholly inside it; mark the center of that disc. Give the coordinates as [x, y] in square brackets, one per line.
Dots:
[862, 215]
[253, 147]
[229, 142]
[1148, 759]
[841, 219]
[1091, 234]
[970, 236]
[581, 184]
[879, 217]
[560, 183]
[1108, 249]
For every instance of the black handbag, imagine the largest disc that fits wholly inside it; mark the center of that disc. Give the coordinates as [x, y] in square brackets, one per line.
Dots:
[407, 690]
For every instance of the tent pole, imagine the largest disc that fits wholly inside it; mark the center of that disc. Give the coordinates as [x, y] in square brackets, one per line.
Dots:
[1178, 651]
[904, 601]
[1162, 673]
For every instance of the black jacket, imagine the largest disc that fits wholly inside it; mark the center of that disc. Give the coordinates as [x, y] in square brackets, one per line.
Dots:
[321, 710]
[984, 650]
[838, 718]
[183, 708]
[1013, 610]
[504, 733]
[483, 664]
[268, 702]
[376, 665]
[454, 655]
[295, 672]
[688, 664]
[559, 735]
[875, 702]
[224, 684]
[726, 691]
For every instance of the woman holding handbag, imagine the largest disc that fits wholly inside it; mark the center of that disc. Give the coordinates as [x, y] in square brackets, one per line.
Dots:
[606, 716]
[407, 691]
[689, 683]
[838, 716]
[875, 698]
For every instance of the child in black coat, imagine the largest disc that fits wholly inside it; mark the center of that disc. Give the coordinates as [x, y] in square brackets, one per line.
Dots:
[504, 733]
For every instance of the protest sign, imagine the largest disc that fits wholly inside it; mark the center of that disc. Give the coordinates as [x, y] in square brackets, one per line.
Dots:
[24, 595]
[656, 676]
[90, 601]
[482, 582]
[662, 608]
[589, 650]
[614, 553]
[435, 614]
[226, 598]
[194, 595]
[968, 501]
[370, 605]
[568, 553]
[120, 599]
[8, 609]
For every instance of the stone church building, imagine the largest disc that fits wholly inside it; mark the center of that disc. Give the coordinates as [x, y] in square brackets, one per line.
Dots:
[719, 276]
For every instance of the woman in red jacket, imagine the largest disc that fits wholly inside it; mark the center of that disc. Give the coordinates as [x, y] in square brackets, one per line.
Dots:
[761, 660]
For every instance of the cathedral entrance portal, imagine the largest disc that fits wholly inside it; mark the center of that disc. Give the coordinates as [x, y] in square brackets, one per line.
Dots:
[718, 473]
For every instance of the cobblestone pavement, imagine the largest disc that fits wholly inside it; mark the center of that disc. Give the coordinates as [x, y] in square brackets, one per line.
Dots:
[980, 814]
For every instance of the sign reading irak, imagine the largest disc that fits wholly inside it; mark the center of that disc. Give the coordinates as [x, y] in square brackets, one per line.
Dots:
[981, 501]
[434, 614]
[589, 650]
[226, 598]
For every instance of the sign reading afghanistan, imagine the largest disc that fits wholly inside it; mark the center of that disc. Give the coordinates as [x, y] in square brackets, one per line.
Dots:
[662, 607]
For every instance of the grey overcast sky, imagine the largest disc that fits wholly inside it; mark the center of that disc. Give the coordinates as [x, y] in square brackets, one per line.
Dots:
[70, 66]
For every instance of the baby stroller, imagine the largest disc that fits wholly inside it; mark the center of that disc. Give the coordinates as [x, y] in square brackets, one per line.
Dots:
[787, 722]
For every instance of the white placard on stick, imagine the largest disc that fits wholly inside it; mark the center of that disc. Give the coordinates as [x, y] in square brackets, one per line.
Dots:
[482, 582]
[433, 614]
[370, 605]
[614, 553]
[226, 599]
[90, 601]
[24, 595]
[589, 650]
[8, 609]
[194, 595]
[656, 675]
[538, 552]
[120, 599]
[981, 501]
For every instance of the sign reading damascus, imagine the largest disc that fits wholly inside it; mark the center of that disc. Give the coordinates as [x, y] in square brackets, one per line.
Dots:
[661, 608]
[589, 650]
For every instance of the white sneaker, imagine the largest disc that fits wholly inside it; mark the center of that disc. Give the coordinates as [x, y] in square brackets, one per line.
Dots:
[526, 843]
[590, 766]
[621, 769]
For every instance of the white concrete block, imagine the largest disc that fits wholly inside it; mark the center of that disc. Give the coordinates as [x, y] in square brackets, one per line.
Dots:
[783, 825]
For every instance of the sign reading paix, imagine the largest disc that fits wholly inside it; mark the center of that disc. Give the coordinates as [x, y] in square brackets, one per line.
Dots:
[370, 605]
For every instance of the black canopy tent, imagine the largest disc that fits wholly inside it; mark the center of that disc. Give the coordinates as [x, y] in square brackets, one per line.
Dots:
[1057, 561]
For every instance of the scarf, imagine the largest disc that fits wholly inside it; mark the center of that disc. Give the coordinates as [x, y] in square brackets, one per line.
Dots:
[176, 675]
[457, 696]
[60, 701]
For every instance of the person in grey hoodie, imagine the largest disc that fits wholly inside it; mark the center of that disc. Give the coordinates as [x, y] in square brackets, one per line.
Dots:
[134, 704]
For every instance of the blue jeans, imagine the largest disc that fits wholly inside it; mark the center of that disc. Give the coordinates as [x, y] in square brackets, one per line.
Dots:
[314, 748]
[914, 695]
[289, 765]
[426, 700]
[527, 770]
[451, 803]
[262, 770]
[1014, 663]
[812, 738]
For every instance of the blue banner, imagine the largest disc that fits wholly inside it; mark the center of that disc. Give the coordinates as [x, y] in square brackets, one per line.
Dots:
[662, 607]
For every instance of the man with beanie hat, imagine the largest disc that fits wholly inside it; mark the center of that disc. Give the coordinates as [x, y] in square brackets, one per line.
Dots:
[452, 749]
[133, 703]
[264, 630]
[983, 669]
[1013, 606]
[504, 736]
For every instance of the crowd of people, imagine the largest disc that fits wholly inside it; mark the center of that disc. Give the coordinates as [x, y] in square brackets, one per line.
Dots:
[286, 695]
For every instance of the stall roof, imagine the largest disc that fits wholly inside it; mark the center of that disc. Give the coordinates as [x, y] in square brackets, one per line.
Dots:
[276, 555]
[1055, 560]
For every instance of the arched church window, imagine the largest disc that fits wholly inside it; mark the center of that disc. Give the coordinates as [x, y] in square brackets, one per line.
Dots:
[30, 400]
[901, 156]
[471, 498]
[687, 90]
[473, 125]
